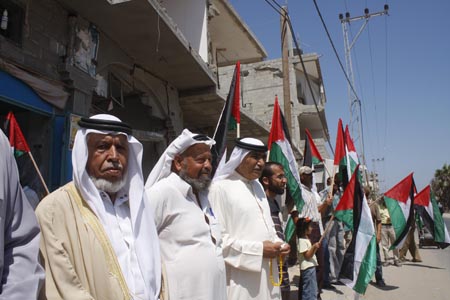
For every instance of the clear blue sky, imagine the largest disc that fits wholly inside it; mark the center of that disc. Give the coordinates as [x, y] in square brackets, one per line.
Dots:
[402, 76]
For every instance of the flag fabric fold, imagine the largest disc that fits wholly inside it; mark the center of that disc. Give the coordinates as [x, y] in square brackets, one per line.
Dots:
[229, 118]
[15, 135]
[340, 158]
[350, 151]
[359, 262]
[281, 152]
[399, 202]
[311, 154]
[428, 209]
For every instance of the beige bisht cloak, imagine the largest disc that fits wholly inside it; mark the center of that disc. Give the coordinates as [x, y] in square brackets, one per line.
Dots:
[79, 260]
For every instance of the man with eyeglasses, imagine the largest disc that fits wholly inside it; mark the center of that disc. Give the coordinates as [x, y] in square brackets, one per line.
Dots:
[274, 181]
[250, 241]
[189, 233]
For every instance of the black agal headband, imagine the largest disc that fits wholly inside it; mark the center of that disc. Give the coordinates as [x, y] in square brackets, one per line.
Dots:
[251, 147]
[105, 125]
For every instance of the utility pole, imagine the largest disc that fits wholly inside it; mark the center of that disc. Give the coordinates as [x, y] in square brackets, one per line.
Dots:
[285, 35]
[377, 182]
[354, 101]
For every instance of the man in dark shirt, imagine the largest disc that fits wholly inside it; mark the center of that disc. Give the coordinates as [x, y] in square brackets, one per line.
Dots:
[274, 182]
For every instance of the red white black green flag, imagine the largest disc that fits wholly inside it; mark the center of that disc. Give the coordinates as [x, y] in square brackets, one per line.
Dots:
[311, 153]
[359, 262]
[230, 118]
[399, 201]
[281, 152]
[428, 209]
[15, 135]
[340, 158]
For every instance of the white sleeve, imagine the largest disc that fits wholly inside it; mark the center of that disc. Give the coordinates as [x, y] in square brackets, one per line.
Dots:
[241, 254]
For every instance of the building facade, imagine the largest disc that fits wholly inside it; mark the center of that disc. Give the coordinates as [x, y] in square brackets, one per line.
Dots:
[154, 64]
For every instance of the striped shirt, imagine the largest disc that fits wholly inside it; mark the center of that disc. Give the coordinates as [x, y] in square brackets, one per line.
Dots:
[275, 213]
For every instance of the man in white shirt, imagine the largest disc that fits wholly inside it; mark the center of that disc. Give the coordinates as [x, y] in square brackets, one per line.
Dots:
[251, 247]
[99, 238]
[188, 230]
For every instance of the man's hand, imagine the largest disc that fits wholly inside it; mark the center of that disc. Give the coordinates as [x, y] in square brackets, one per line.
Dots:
[285, 249]
[272, 250]
[378, 238]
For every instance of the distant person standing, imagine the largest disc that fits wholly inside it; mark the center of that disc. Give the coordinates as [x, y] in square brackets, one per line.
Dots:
[411, 246]
[387, 235]
[333, 244]
[274, 182]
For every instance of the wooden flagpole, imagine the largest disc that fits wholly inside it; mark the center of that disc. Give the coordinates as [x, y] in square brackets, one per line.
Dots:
[38, 172]
[330, 194]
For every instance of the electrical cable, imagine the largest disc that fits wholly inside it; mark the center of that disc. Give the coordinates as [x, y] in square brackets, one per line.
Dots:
[373, 88]
[304, 69]
[334, 49]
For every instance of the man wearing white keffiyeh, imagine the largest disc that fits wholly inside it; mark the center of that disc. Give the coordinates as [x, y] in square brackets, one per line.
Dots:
[188, 230]
[99, 239]
[250, 241]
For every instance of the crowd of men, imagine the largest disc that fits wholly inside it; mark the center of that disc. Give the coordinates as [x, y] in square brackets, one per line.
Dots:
[182, 234]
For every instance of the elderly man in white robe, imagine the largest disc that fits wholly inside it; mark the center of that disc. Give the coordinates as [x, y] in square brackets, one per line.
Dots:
[21, 273]
[188, 230]
[99, 238]
[251, 247]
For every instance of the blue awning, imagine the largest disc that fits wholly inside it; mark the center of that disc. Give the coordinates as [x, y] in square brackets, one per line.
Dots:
[16, 92]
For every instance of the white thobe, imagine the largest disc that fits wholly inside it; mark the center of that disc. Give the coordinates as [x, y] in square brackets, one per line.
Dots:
[120, 233]
[244, 215]
[194, 264]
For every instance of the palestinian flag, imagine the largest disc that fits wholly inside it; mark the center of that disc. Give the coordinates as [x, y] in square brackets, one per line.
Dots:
[15, 135]
[428, 209]
[340, 159]
[230, 119]
[311, 154]
[281, 152]
[351, 155]
[359, 262]
[399, 202]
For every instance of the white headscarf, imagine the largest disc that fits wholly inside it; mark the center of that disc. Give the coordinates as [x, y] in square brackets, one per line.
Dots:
[238, 154]
[144, 230]
[178, 146]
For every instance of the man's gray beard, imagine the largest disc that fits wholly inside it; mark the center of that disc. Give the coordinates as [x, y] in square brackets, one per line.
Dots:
[197, 184]
[108, 186]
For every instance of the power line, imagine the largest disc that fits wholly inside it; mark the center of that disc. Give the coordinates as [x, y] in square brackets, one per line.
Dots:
[373, 88]
[303, 67]
[334, 49]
